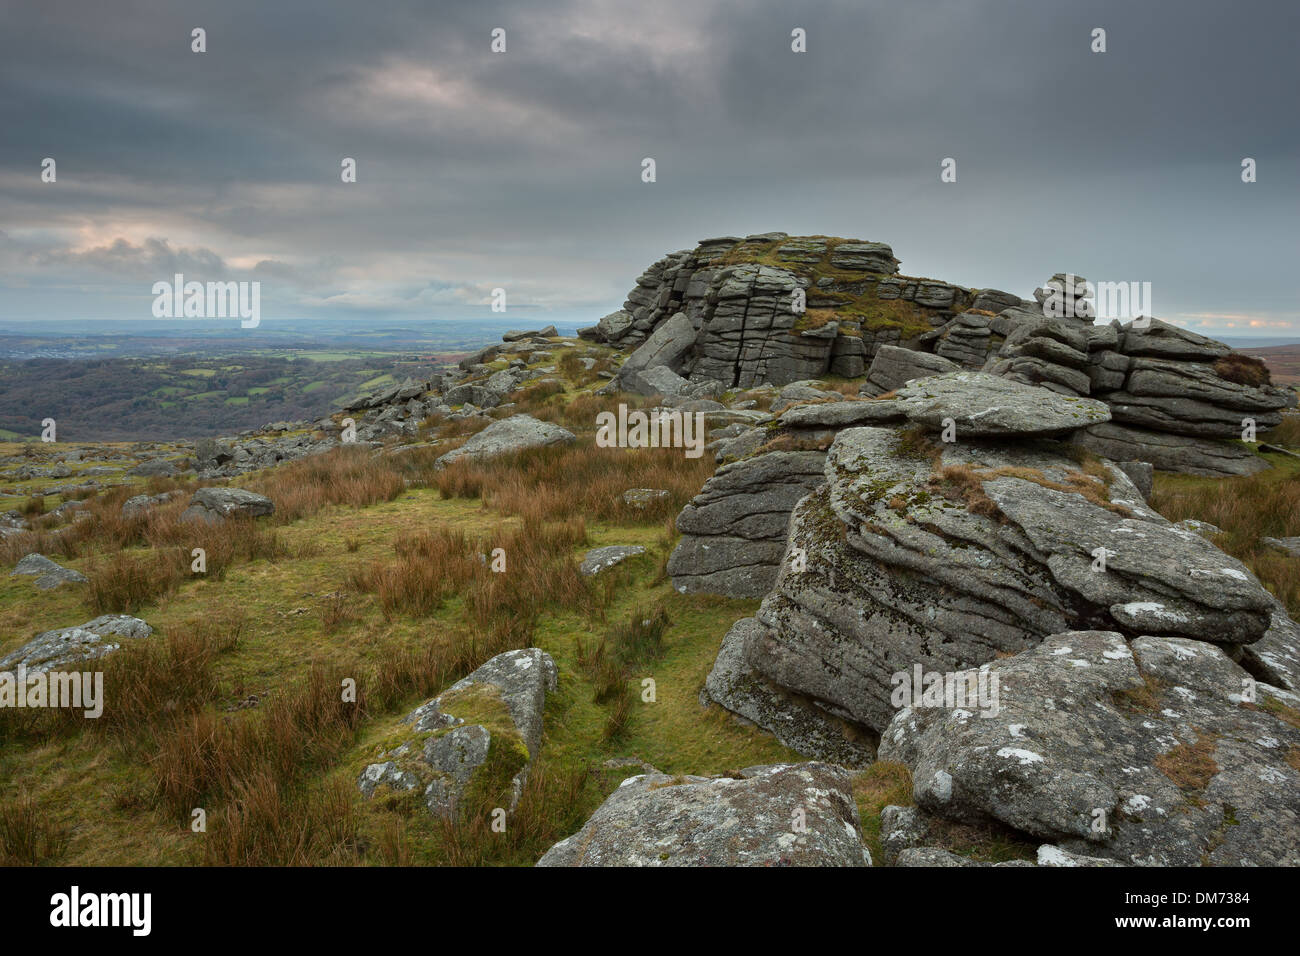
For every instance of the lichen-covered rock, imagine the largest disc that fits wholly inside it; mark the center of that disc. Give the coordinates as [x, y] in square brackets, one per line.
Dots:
[801, 726]
[509, 435]
[72, 646]
[946, 564]
[1169, 452]
[981, 405]
[601, 559]
[667, 346]
[894, 367]
[215, 505]
[779, 815]
[49, 574]
[1145, 753]
[837, 415]
[484, 731]
[776, 309]
[643, 498]
[733, 531]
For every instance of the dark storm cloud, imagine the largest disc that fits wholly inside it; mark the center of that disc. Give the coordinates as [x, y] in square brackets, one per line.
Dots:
[522, 169]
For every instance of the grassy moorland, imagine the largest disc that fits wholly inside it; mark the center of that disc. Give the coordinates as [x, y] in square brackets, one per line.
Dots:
[1247, 510]
[369, 570]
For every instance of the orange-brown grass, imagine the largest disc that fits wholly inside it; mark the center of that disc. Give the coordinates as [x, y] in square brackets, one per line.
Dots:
[433, 566]
[535, 394]
[28, 836]
[344, 476]
[455, 427]
[146, 682]
[1286, 434]
[267, 824]
[578, 480]
[1242, 370]
[1191, 766]
[127, 582]
[762, 399]
[204, 756]
[550, 808]
[1246, 509]
[964, 483]
[579, 412]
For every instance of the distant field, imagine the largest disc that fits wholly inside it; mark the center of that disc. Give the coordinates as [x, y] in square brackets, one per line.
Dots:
[1283, 362]
[190, 396]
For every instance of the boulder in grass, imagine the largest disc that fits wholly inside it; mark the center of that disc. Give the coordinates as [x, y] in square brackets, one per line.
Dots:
[487, 727]
[780, 815]
[49, 575]
[73, 646]
[515, 433]
[215, 505]
[601, 559]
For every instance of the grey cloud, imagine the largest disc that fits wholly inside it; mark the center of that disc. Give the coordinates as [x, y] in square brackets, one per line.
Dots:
[478, 170]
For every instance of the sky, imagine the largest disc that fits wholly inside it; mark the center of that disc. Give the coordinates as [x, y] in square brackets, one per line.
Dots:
[522, 170]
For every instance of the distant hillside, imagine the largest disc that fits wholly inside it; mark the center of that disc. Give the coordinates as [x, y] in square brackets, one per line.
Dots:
[1283, 362]
[188, 396]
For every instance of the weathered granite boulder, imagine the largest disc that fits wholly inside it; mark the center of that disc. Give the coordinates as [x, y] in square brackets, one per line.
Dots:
[1141, 473]
[485, 728]
[509, 435]
[733, 531]
[1156, 378]
[837, 415]
[778, 815]
[949, 563]
[894, 367]
[517, 335]
[215, 505]
[614, 326]
[666, 346]
[1288, 546]
[874, 257]
[659, 380]
[1160, 340]
[601, 559]
[49, 574]
[70, 647]
[1275, 657]
[1143, 752]
[751, 334]
[800, 725]
[965, 342]
[983, 405]
[775, 309]
[138, 505]
[1169, 452]
[994, 300]
[643, 498]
